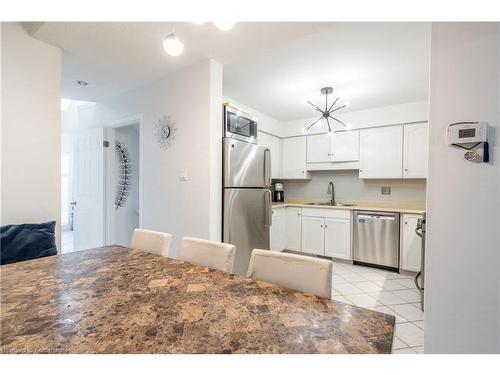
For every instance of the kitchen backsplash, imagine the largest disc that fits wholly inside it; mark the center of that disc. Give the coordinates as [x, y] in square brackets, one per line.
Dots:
[350, 187]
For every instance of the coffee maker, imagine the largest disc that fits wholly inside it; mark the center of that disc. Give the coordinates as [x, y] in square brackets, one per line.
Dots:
[279, 193]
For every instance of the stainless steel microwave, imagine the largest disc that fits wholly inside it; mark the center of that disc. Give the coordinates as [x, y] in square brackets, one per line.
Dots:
[239, 125]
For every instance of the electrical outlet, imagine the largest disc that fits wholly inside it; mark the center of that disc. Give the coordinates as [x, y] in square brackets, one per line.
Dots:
[386, 190]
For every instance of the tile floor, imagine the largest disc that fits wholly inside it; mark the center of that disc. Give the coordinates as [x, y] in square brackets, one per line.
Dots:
[387, 292]
[67, 241]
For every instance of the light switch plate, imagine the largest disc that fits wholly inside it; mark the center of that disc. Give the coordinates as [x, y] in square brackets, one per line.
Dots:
[183, 174]
[386, 190]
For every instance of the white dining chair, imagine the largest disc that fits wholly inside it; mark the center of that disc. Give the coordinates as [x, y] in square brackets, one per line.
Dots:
[151, 241]
[297, 272]
[216, 255]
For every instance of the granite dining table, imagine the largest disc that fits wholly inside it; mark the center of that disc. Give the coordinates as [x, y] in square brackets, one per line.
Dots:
[119, 300]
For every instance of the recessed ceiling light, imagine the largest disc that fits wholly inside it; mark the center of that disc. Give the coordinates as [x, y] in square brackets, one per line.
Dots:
[172, 45]
[82, 83]
[224, 25]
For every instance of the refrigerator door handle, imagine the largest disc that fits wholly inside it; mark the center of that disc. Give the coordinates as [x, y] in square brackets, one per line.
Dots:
[269, 211]
[267, 167]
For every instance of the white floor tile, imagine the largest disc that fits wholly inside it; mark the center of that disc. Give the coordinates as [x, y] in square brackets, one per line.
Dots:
[335, 293]
[387, 298]
[352, 277]
[398, 344]
[338, 280]
[420, 324]
[341, 270]
[419, 349]
[403, 351]
[409, 283]
[368, 286]
[347, 288]
[408, 311]
[389, 284]
[410, 334]
[341, 299]
[363, 300]
[373, 276]
[386, 310]
[408, 295]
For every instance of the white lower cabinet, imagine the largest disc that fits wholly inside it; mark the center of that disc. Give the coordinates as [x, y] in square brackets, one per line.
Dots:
[327, 232]
[411, 244]
[313, 233]
[293, 228]
[338, 238]
[277, 232]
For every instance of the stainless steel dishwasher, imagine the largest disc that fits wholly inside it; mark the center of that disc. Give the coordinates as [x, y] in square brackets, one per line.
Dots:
[376, 239]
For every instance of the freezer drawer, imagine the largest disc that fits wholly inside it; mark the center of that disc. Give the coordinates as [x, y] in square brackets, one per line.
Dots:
[245, 164]
[246, 224]
[376, 238]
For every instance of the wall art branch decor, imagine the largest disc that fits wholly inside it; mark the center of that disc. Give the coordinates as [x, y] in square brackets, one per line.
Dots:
[124, 175]
[165, 131]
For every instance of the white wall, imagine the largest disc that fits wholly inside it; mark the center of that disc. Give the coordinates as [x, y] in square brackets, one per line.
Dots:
[463, 245]
[349, 186]
[182, 208]
[390, 115]
[31, 128]
[126, 218]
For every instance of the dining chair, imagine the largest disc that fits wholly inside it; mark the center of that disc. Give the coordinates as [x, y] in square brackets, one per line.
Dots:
[151, 241]
[303, 273]
[216, 255]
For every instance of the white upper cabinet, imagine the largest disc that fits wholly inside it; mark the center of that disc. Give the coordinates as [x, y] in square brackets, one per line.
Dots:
[415, 151]
[318, 148]
[411, 244]
[274, 145]
[294, 158]
[381, 152]
[293, 226]
[344, 146]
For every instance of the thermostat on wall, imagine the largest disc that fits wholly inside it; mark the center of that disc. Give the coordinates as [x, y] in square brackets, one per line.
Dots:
[467, 132]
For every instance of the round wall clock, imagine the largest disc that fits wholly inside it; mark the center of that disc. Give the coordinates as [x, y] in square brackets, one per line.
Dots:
[165, 131]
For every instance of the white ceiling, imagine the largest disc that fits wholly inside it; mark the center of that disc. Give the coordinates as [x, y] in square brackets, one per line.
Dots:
[272, 67]
[369, 64]
[117, 56]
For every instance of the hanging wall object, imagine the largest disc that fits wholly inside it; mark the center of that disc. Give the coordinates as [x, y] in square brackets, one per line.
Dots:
[124, 174]
[165, 131]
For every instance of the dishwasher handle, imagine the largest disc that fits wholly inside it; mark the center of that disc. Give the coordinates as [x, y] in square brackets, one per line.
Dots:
[376, 217]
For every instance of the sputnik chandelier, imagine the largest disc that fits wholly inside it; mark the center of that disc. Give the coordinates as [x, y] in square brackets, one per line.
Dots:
[327, 114]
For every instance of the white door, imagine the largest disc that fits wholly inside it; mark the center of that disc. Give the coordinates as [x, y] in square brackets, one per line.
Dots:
[313, 235]
[294, 158]
[381, 152]
[274, 145]
[415, 151]
[293, 228]
[345, 146]
[277, 233]
[411, 244]
[338, 238]
[318, 148]
[88, 189]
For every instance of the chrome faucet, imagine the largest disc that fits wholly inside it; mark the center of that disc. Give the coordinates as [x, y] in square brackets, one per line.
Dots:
[331, 190]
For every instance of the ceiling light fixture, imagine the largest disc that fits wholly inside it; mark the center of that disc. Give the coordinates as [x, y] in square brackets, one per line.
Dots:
[224, 25]
[329, 110]
[172, 45]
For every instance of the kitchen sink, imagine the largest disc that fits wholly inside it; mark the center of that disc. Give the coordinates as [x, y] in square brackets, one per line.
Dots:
[333, 205]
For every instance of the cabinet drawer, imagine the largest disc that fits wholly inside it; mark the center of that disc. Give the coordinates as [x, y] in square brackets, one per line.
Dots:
[327, 212]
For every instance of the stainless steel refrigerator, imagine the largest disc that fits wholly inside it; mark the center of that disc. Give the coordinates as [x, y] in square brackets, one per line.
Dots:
[247, 199]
